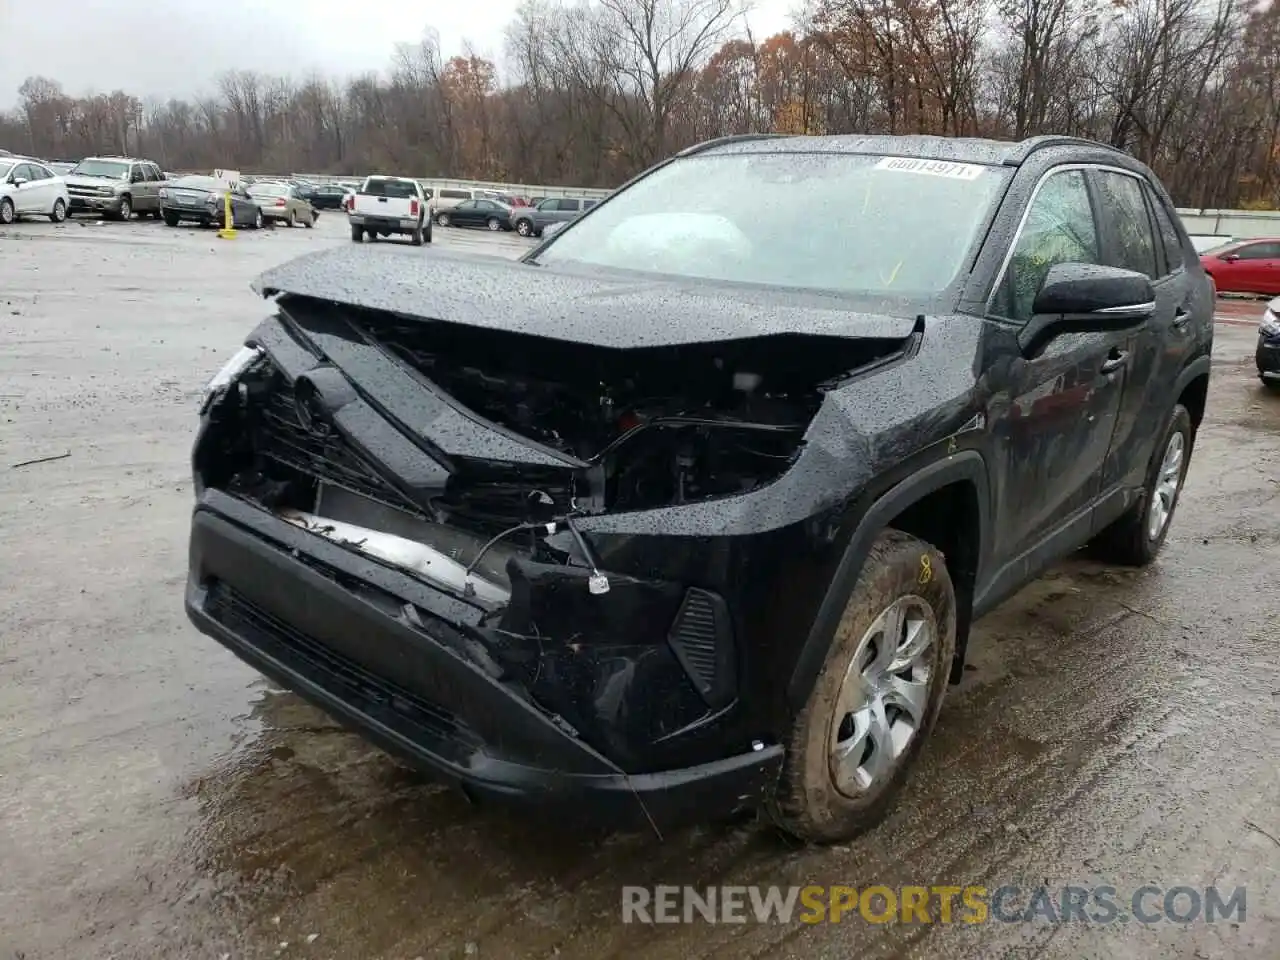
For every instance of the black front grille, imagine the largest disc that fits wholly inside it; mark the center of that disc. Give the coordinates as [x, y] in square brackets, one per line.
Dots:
[316, 449]
[322, 665]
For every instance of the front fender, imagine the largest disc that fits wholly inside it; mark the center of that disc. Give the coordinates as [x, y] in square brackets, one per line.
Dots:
[968, 466]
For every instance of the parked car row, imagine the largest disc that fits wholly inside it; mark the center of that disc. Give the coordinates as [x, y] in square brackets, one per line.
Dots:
[528, 220]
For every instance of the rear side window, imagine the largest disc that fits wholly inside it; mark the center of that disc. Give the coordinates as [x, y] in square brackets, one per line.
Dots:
[1174, 256]
[401, 189]
[1059, 228]
[455, 195]
[1126, 214]
[569, 205]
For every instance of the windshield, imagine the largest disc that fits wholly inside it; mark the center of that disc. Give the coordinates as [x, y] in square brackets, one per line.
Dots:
[102, 168]
[887, 226]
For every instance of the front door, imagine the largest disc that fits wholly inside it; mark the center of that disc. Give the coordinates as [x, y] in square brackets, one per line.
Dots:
[1052, 414]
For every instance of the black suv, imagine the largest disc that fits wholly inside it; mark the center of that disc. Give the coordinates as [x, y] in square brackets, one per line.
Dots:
[692, 508]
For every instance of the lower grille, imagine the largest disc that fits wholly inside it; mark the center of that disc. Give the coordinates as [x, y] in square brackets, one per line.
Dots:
[331, 670]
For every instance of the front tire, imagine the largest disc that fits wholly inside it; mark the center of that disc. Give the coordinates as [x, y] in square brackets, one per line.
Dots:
[125, 212]
[524, 228]
[442, 219]
[59, 211]
[357, 234]
[494, 224]
[876, 698]
[171, 219]
[7, 215]
[1135, 538]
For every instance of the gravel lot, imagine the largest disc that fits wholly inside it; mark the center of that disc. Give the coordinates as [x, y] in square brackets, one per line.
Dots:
[157, 799]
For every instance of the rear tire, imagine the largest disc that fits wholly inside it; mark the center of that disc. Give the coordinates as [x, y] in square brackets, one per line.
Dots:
[357, 234]
[291, 221]
[59, 211]
[416, 237]
[524, 228]
[1135, 538]
[442, 219]
[856, 740]
[171, 219]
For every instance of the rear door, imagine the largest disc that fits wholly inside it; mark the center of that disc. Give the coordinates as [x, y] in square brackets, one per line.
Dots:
[567, 209]
[1132, 240]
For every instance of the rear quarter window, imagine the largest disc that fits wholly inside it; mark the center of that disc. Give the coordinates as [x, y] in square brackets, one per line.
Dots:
[455, 195]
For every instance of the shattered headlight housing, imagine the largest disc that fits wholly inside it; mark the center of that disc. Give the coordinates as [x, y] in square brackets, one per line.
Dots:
[1270, 325]
[228, 375]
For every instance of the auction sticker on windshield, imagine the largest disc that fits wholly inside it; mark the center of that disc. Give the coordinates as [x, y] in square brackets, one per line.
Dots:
[934, 168]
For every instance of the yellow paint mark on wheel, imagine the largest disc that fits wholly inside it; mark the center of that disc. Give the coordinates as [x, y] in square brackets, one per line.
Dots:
[926, 569]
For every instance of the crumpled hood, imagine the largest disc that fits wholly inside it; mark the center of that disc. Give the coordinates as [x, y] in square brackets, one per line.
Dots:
[602, 309]
[81, 180]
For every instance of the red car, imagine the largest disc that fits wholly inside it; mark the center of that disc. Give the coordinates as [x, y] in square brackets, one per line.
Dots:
[1247, 266]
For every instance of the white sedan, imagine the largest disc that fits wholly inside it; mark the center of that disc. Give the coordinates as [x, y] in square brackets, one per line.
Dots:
[30, 189]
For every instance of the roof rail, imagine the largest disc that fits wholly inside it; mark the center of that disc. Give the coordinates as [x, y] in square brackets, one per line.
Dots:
[1032, 144]
[733, 138]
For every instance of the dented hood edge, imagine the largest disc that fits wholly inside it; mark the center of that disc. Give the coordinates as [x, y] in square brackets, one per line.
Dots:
[603, 309]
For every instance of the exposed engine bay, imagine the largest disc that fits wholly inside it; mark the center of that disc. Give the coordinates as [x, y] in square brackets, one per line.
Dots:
[655, 426]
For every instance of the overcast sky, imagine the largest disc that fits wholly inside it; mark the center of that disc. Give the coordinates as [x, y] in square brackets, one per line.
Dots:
[177, 47]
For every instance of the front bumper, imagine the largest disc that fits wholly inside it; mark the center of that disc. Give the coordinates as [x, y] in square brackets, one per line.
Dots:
[1268, 358]
[202, 213]
[92, 204]
[334, 626]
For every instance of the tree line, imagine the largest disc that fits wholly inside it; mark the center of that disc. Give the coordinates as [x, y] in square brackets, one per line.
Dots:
[592, 91]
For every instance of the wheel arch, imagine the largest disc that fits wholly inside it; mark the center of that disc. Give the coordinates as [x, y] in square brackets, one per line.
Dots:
[946, 503]
[1192, 390]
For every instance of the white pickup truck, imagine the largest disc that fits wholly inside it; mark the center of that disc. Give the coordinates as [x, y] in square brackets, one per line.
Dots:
[389, 205]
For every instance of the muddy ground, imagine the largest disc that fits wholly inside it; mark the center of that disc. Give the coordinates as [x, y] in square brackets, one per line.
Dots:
[157, 799]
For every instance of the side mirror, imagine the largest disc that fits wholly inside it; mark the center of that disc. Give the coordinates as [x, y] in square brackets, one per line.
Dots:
[1231, 257]
[1083, 298]
[19, 181]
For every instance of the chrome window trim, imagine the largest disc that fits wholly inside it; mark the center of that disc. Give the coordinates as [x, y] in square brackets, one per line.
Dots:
[1026, 212]
[1150, 305]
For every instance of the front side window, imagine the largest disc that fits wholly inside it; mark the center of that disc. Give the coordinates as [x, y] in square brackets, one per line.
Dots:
[1258, 251]
[1059, 228]
[867, 225]
[1126, 212]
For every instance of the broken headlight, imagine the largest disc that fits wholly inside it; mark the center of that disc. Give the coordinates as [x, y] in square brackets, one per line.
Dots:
[228, 375]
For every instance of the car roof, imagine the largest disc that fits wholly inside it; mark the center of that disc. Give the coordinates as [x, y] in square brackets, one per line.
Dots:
[961, 149]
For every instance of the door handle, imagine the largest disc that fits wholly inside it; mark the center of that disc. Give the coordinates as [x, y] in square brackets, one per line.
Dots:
[1117, 360]
[1181, 316]
[382, 199]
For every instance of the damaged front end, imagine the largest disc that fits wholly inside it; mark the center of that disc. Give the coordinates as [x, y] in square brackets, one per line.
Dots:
[507, 531]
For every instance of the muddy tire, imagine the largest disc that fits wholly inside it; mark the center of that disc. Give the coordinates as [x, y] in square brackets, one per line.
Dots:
[1135, 538]
[876, 698]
